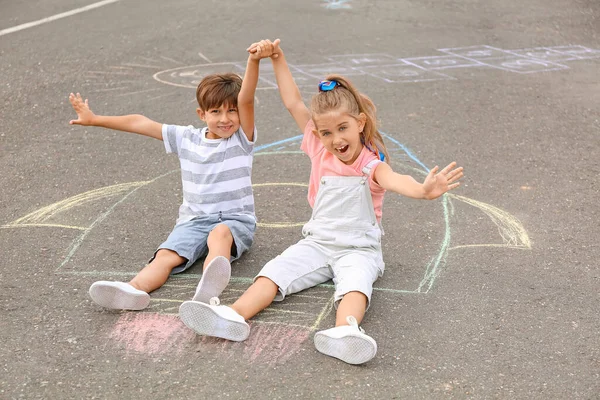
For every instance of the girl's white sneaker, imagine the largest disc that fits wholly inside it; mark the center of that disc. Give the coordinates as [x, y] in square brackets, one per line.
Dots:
[214, 280]
[214, 320]
[348, 343]
[118, 296]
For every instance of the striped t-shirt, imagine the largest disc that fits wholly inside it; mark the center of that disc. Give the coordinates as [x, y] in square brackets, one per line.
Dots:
[215, 173]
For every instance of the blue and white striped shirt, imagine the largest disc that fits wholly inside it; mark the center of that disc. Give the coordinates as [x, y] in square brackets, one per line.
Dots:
[215, 173]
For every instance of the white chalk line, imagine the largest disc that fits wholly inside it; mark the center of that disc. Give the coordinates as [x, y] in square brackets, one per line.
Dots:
[55, 17]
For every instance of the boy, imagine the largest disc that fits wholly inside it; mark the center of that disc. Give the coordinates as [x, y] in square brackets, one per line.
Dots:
[216, 219]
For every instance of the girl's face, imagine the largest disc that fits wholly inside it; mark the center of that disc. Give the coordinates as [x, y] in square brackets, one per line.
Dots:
[340, 134]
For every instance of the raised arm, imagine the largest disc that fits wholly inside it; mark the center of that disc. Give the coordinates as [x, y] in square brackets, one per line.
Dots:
[290, 94]
[246, 97]
[134, 123]
[435, 184]
[260, 50]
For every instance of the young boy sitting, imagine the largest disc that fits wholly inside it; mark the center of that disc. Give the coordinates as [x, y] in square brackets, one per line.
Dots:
[216, 220]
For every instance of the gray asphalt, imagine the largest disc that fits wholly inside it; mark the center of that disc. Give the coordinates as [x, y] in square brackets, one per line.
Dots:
[491, 292]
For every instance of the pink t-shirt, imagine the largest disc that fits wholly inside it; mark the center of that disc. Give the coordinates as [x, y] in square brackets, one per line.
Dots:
[323, 163]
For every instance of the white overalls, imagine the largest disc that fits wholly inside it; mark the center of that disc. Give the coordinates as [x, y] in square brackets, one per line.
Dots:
[342, 241]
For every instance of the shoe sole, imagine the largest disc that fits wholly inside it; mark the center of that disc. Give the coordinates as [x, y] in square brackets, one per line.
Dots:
[117, 298]
[203, 320]
[214, 280]
[352, 349]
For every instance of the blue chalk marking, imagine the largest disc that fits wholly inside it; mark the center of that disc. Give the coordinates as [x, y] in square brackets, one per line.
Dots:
[279, 142]
[406, 150]
[337, 4]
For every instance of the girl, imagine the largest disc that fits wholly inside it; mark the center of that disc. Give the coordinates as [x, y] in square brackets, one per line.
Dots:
[342, 240]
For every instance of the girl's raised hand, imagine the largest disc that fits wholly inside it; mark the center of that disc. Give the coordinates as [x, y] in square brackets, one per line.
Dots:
[438, 183]
[81, 107]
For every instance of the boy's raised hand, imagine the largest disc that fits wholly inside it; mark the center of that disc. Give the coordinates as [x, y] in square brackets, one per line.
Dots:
[264, 49]
[438, 183]
[81, 107]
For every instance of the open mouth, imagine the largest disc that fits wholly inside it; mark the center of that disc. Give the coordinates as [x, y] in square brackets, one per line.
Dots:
[342, 149]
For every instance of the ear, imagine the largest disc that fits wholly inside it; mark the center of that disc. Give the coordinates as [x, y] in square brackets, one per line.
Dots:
[362, 120]
[201, 114]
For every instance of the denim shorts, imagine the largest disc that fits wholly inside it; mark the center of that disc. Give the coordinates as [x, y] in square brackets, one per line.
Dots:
[189, 239]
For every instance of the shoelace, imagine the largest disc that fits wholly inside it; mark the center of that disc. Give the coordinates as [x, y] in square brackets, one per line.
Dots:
[214, 301]
[352, 322]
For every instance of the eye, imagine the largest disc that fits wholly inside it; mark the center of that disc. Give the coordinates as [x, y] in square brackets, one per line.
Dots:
[343, 128]
[325, 133]
[233, 110]
[214, 111]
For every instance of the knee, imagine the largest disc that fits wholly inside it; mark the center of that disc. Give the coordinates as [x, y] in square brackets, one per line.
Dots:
[220, 234]
[166, 254]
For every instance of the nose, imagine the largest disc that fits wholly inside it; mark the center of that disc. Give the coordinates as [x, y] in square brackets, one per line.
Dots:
[337, 140]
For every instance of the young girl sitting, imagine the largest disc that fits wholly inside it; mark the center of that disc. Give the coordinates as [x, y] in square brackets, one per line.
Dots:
[342, 240]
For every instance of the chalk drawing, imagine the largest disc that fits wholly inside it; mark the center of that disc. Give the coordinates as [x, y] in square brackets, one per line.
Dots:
[392, 69]
[380, 66]
[285, 326]
[511, 232]
[336, 4]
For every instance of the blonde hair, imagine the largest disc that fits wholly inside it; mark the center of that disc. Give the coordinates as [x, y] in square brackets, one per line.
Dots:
[218, 89]
[345, 96]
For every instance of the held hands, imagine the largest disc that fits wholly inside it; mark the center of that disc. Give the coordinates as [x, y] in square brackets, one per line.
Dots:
[438, 183]
[81, 107]
[263, 49]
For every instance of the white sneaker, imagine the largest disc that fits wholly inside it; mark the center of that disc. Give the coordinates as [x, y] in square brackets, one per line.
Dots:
[118, 296]
[214, 320]
[214, 280]
[349, 343]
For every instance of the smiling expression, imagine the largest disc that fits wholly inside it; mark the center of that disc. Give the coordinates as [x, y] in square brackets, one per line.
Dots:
[339, 133]
[222, 122]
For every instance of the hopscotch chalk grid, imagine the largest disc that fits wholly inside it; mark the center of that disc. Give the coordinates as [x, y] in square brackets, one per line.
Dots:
[392, 69]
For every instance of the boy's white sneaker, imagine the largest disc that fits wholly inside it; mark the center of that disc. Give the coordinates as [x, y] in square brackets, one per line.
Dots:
[118, 296]
[349, 343]
[214, 280]
[214, 320]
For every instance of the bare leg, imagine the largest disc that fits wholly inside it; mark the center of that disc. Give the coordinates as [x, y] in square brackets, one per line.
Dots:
[256, 298]
[353, 303]
[347, 341]
[155, 274]
[219, 243]
[229, 322]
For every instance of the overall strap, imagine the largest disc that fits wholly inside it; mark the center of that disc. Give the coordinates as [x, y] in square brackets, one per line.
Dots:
[367, 168]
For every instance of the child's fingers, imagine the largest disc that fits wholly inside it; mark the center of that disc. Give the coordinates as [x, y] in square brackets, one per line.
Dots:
[449, 167]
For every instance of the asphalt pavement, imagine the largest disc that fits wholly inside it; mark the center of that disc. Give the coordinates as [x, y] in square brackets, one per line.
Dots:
[490, 292]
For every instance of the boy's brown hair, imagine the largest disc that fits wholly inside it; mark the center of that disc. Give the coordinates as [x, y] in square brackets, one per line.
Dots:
[217, 89]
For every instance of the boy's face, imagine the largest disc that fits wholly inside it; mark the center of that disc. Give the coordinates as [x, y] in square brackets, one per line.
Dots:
[340, 134]
[222, 122]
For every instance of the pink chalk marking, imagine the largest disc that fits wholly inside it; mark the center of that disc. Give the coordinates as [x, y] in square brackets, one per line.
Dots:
[274, 343]
[151, 333]
[154, 333]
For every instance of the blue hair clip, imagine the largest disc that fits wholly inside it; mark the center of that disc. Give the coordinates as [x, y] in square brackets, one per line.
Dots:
[326, 86]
